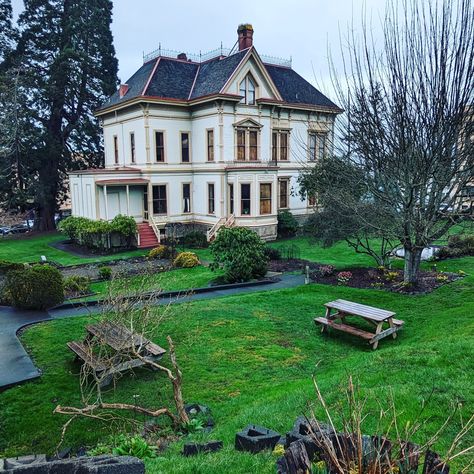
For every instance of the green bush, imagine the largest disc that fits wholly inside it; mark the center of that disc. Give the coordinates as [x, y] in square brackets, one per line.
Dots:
[6, 266]
[186, 260]
[272, 253]
[77, 284]
[37, 287]
[159, 252]
[97, 234]
[125, 445]
[287, 225]
[105, 273]
[195, 240]
[458, 246]
[241, 252]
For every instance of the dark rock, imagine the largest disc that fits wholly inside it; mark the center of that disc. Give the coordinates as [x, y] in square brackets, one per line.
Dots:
[295, 459]
[81, 451]
[310, 433]
[83, 465]
[255, 439]
[434, 465]
[29, 460]
[191, 449]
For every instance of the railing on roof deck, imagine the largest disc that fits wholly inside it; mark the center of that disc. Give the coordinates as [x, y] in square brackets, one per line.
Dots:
[215, 53]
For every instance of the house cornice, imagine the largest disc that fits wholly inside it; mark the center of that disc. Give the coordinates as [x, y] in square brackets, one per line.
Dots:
[299, 106]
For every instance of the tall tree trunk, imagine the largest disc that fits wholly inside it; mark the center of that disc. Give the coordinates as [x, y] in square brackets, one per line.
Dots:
[412, 265]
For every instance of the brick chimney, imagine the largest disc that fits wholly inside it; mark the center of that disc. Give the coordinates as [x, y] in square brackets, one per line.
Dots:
[245, 33]
[123, 89]
[182, 56]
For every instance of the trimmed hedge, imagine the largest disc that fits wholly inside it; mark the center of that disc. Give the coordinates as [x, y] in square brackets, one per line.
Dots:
[287, 224]
[195, 240]
[102, 235]
[458, 246]
[162, 251]
[241, 252]
[186, 260]
[36, 287]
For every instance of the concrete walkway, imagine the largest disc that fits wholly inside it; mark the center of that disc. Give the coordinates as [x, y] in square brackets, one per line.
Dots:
[16, 365]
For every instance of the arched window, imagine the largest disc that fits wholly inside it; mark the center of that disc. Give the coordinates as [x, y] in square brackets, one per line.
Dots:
[247, 91]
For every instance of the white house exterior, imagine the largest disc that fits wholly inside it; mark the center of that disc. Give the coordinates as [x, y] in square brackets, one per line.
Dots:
[207, 142]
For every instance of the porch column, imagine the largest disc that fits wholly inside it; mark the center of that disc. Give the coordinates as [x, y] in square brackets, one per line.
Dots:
[106, 203]
[127, 189]
[150, 201]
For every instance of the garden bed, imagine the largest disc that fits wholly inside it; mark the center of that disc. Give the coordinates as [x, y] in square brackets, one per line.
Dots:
[391, 280]
[85, 252]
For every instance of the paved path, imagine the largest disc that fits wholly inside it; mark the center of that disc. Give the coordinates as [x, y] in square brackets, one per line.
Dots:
[16, 365]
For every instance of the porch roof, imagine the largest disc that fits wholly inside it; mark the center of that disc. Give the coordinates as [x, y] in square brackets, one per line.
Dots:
[121, 181]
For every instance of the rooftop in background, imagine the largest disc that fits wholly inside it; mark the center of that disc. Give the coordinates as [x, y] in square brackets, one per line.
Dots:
[215, 53]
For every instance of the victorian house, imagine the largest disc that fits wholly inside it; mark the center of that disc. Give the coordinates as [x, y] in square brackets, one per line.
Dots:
[205, 141]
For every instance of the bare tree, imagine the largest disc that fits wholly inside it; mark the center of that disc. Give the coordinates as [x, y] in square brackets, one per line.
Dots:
[131, 317]
[406, 128]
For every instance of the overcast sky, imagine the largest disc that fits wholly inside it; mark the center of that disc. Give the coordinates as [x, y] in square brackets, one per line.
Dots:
[302, 29]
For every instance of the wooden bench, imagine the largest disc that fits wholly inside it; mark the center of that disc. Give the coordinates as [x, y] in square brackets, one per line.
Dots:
[338, 310]
[84, 353]
[345, 328]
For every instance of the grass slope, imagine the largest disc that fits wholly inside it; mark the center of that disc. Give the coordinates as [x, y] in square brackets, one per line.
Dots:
[251, 359]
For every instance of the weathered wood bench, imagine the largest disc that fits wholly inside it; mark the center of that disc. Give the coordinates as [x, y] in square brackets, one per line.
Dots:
[376, 316]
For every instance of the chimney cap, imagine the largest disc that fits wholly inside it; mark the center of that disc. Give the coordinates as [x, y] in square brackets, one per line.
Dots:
[182, 56]
[244, 27]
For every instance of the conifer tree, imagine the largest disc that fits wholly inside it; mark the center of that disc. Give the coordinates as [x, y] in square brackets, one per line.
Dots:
[68, 68]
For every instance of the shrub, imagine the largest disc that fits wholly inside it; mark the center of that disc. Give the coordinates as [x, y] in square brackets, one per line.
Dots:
[96, 234]
[272, 253]
[77, 284]
[124, 445]
[287, 225]
[6, 266]
[448, 252]
[326, 270]
[391, 276]
[195, 240]
[158, 252]
[186, 260]
[343, 278]
[241, 252]
[105, 273]
[37, 287]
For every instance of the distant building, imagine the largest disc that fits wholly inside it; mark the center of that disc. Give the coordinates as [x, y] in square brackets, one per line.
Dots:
[207, 141]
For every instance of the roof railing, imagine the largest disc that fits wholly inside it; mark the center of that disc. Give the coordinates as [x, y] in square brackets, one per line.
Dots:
[215, 53]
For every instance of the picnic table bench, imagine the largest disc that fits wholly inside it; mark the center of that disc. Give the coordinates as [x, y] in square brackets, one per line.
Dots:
[376, 316]
[123, 346]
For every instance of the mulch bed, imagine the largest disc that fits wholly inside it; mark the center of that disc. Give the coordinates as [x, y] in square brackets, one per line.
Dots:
[391, 280]
[81, 250]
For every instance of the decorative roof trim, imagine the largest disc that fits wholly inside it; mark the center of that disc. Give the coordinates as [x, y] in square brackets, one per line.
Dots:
[151, 76]
[194, 82]
[253, 52]
[241, 123]
[300, 106]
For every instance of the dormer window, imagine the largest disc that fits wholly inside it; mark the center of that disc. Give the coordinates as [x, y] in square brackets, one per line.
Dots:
[247, 91]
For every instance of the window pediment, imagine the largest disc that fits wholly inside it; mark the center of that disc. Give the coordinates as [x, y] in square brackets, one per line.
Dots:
[247, 123]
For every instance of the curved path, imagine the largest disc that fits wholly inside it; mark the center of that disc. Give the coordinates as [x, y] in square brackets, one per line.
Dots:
[16, 365]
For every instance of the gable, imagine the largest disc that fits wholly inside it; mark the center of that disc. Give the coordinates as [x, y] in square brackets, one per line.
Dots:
[252, 65]
[248, 122]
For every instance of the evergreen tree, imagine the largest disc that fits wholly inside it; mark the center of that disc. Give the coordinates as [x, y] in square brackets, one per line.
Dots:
[7, 32]
[69, 67]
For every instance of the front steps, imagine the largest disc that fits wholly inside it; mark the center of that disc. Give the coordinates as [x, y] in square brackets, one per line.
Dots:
[148, 238]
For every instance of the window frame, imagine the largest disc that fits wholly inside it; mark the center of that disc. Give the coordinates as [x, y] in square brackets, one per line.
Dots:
[249, 94]
[159, 185]
[132, 148]
[210, 146]
[287, 193]
[252, 147]
[188, 148]
[116, 150]
[189, 211]
[320, 144]
[241, 146]
[249, 199]
[266, 199]
[163, 146]
[211, 185]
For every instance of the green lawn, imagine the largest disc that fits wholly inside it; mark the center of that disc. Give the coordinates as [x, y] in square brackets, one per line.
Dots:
[250, 358]
[30, 249]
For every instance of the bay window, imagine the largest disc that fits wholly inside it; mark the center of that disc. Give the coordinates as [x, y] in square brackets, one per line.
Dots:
[245, 199]
[265, 198]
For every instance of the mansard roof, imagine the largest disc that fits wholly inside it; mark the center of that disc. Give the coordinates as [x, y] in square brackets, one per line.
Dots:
[178, 79]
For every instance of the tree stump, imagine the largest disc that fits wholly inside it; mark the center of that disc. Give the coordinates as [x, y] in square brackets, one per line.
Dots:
[434, 465]
[295, 460]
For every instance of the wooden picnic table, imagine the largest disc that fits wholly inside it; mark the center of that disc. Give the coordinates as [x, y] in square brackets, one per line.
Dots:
[124, 346]
[339, 310]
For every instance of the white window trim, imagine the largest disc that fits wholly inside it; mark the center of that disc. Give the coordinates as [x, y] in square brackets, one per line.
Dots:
[165, 155]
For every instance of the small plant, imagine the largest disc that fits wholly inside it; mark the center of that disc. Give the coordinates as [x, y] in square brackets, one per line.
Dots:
[287, 224]
[272, 253]
[391, 276]
[77, 284]
[343, 278]
[319, 468]
[326, 270]
[462, 273]
[124, 445]
[186, 260]
[377, 285]
[158, 252]
[194, 425]
[105, 273]
[440, 278]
